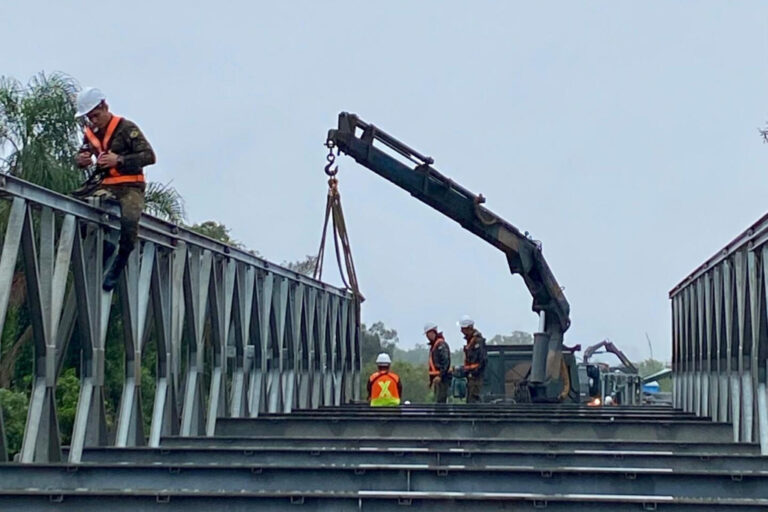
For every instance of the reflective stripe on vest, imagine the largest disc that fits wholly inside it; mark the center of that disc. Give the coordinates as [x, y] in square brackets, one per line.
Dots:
[384, 390]
[433, 371]
[114, 177]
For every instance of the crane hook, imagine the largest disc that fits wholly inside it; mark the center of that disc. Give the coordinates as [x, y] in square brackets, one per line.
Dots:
[330, 170]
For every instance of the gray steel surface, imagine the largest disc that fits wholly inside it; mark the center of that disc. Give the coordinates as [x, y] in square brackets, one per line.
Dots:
[597, 458]
[391, 478]
[467, 428]
[246, 501]
[476, 443]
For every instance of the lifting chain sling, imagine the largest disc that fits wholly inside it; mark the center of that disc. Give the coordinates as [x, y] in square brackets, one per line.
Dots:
[334, 213]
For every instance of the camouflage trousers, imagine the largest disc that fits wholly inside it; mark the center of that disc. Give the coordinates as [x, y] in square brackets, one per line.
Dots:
[441, 387]
[131, 199]
[474, 385]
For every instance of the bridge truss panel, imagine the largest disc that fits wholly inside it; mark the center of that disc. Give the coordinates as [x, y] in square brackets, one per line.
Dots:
[234, 334]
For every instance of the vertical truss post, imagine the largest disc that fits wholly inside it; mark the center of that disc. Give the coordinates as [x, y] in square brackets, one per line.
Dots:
[745, 398]
[762, 362]
[277, 337]
[709, 369]
[336, 368]
[257, 389]
[293, 343]
[46, 287]
[134, 291]
[755, 315]
[326, 354]
[722, 356]
[703, 391]
[357, 356]
[10, 251]
[165, 412]
[308, 352]
[196, 286]
[221, 292]
[93, 305]
[731, 351]
[244, 291]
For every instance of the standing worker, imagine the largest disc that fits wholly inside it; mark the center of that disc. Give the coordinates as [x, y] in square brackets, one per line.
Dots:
[384, 386]
[121, 153]
[474, 358]
[439, 363]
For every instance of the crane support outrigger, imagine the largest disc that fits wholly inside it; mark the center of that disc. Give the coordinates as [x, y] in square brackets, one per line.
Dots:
[356, 138]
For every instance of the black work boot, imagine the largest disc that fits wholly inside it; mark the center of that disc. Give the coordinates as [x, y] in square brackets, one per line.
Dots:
[107, 251]
[111, 277]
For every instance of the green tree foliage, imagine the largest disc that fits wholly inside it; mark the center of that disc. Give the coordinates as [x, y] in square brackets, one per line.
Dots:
[217, 231]
[67, 393]
[39, 135]
[651, 366]
[516, 338]
[306, 266]
[165, 202]
[375, 340]
[14, 406]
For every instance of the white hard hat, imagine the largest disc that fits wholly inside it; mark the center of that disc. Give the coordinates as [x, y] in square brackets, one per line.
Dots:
[609, 400]
[383, 359]
[88, 99]
[429, 326]
[466, 321]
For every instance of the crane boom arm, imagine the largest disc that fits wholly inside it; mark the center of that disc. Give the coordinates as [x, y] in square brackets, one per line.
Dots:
[356, 138]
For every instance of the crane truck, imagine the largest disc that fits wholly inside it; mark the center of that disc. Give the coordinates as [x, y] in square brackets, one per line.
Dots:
[543, 372]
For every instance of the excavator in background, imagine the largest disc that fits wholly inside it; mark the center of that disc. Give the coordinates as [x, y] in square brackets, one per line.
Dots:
[610, 385]
[629, 367]
[542, 372]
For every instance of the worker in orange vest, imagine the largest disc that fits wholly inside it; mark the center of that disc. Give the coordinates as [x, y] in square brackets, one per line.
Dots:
[384, 386]
[439, 363]
[121, 152]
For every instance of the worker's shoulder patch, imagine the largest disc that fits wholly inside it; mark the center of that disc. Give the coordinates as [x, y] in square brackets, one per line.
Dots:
[134, 133]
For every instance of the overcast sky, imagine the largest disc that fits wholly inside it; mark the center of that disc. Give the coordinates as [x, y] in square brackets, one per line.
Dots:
[621, 134]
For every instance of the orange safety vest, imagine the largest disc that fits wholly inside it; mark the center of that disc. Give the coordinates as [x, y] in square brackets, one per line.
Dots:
[469, 367]
[114, 177]
[433, 370]
[384, 392]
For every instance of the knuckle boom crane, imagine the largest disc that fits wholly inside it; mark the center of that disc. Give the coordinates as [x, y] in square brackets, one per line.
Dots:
[415, 174]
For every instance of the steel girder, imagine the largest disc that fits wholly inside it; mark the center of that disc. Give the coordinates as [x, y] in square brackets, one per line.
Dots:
[367, 501]
[463, 428]
[550, 479]
[719, 337]
[236, 335]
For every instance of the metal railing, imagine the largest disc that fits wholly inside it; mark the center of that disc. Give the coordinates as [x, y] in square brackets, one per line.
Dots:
[719, 337]
[279, 339]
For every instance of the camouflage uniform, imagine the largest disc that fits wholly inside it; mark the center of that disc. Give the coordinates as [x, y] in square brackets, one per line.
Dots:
[474, 364]
[440, 360]
[135, 153]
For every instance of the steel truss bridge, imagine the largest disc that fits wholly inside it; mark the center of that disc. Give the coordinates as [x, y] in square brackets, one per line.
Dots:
[720, 337]
[261, 419]
[280, 340]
